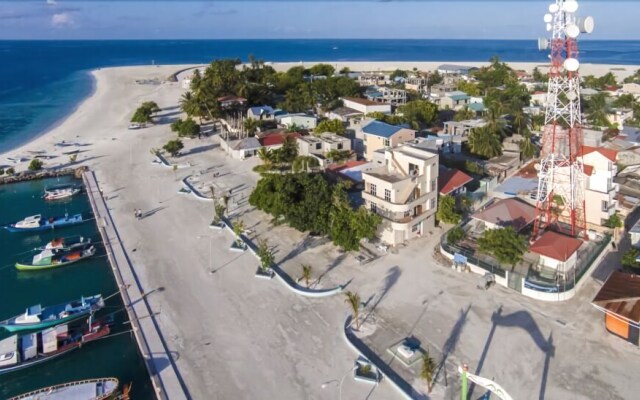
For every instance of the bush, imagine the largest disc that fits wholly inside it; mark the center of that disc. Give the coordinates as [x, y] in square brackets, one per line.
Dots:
[447, 210]
[455, 235]
[10, 171]
[188, 127]
[35, 165]
[1, 171]
[173, 147]
[629, 260]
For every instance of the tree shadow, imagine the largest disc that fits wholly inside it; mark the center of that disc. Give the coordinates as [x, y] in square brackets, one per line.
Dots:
[337, 261]
[151, 212]
[72, 163]
[201, 149]
[389, 281]
[450, 345]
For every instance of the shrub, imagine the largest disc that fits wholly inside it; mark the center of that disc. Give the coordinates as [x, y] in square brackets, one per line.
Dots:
[10, 171]
[35, 165]
[173, 147]
[455, 235]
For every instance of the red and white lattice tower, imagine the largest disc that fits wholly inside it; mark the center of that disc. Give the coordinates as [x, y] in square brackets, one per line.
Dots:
[561, 179]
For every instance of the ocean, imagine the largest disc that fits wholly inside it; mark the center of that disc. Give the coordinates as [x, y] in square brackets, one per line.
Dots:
[115, 356]
[42, 82]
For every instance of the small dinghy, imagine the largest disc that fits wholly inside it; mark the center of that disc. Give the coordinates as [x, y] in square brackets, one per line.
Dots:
[61, 192]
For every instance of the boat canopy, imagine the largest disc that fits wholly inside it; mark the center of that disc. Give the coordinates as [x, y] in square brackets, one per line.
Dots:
[34, 310]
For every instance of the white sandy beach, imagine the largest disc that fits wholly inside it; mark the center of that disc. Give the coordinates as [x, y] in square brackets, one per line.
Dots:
[238, 337]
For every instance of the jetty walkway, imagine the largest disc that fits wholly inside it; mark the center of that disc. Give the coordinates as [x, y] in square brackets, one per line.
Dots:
[165, 378]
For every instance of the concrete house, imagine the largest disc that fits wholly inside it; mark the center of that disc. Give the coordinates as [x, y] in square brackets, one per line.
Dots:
[403, 192]
[417, 83]
[372, 79]
[558, 254]
[618, 116]
[365, 106]
[302, 121]
[451, 182]
[455, 69]
[454, 101]
[319, 146]
[600, 169]
[463, 128]
[374, 135]
[261, 112]
[631, 88]
[386, 95]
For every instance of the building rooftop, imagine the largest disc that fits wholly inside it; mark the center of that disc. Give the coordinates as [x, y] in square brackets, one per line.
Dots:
[451, 179]
[609, 153]
[620, 295]
[454, 67]
[246, 144]
[379, 128]
[508, 212]
[276, 137]
[262, 110]
[517, 185]
[362, 101]
[346, 112]
[386, 175]
[554, 245]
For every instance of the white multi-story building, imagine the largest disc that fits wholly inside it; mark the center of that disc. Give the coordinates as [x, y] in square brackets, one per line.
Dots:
[600, 168]
[403, 192]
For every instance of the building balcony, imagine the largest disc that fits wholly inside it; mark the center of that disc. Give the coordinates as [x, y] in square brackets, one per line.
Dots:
[413, 202]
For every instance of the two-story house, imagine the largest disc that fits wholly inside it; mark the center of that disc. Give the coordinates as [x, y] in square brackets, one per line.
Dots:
[456, 100]
[382, 94]
[365, 106]
[417, 83]
[600, 169]
[373, 135]
[319, 146]
[403, 192]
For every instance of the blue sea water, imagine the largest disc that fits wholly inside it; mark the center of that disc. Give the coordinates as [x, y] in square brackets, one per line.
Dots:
[41, 82]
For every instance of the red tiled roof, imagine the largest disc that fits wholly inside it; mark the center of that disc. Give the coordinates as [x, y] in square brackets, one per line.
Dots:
[556, 246]
[609, 153]
[508, 212]
[348, 164]
[276, 138]
[452, 179]
[364, 102]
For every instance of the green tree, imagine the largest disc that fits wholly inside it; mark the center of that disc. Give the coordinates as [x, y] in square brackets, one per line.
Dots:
[238, 230]
[322, 70]
[10, 171]
[428, 370]
[539, 76]
[464, 114]
[35, 165]
[527, 148]
[190, 105]
[455, 235]
[597, 109]
[434, 79]
[485, 143]
[188, 127]
[219, 210]
[265, 254]
[625, 101]
[73, 158]
[338, 156]
[264, 154]
[304, 164]
[330, 125]
[469, 88]
[629, 260]
[398, 73]
[306, 274]
[419, 113]
[251, 126]
[614, 221]
[173, 147]
[447, 210]
[505, 244]
[353, 300]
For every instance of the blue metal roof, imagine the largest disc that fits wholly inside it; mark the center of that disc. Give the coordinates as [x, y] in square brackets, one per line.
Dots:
[476, 107]
[266, 110]
[379, 128]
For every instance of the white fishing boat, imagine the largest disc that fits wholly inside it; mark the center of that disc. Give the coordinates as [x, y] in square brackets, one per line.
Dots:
[90, 389]
[61, 192]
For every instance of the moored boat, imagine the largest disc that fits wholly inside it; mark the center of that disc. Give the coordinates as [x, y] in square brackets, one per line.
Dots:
[65, 244]
[22, 351]
[38, 317]
[61, 192]
[53, 258]
[90, 389]
[37, 223]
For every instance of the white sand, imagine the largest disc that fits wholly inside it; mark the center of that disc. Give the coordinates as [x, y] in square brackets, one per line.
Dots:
[239, 337]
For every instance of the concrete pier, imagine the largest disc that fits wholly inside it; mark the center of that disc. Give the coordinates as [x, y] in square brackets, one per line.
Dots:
[166, 379]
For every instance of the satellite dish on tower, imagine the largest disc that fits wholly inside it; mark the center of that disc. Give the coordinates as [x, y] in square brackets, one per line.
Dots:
[543, 43]
[571, 64]
[553, 8]
[548, 18]
[570, 6]
[572, 96]
[549, 27]
[585, 24]
[572, 31]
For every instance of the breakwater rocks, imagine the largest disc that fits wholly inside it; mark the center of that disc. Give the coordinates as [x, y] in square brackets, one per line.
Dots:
[32, 175]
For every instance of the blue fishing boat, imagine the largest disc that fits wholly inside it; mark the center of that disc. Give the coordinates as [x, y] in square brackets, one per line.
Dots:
[37, 223]
[38, 317]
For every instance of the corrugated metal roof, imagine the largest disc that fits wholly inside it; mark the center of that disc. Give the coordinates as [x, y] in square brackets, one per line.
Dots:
[382, 129]
[620, 294]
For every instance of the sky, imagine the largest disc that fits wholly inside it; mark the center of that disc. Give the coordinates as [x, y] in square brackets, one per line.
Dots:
[269, 19]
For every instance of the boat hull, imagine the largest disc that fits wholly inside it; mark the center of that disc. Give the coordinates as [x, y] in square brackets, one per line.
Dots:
[30, 267]
[109, 387]
[57, 223]
[43, 324]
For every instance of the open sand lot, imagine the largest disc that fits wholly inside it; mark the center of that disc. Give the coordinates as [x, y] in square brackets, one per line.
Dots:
[235, 336]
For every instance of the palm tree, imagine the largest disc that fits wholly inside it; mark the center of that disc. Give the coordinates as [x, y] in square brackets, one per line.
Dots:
[527, 148]
[218, 210]
[464, 114]
[484, 142]
[520, 121]
[306, 273]
[495, 123]
[353, 299]
[264, 155]
[597, 109]
[190, 105]
[251, 126]
[289, 149]
[238, 229]
[266, 255]
[428, 370]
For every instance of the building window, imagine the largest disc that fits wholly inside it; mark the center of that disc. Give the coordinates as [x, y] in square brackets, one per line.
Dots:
[318, 146]
[374, 208]
[432, 204]
[407, 214]
[433, 185]
[372, 189]
[339, 146]
[605, 205]
[386, 143]
[387, 195]
[416, 227]
[413, 167]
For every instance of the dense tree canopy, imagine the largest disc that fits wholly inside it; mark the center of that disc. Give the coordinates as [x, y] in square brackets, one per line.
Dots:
[496, 74]
[419, 113]
[173, 147]
[144, 113]
[505, 244]
[447, 210]
[331, 125]
[187, 127]
[485, 142]
[306, 202]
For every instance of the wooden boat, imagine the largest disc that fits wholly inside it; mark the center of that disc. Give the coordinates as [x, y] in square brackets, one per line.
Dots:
[37, 317]
[52, 258]
[90, 389]
[61, 192]
[22, 351]
[37, 223]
